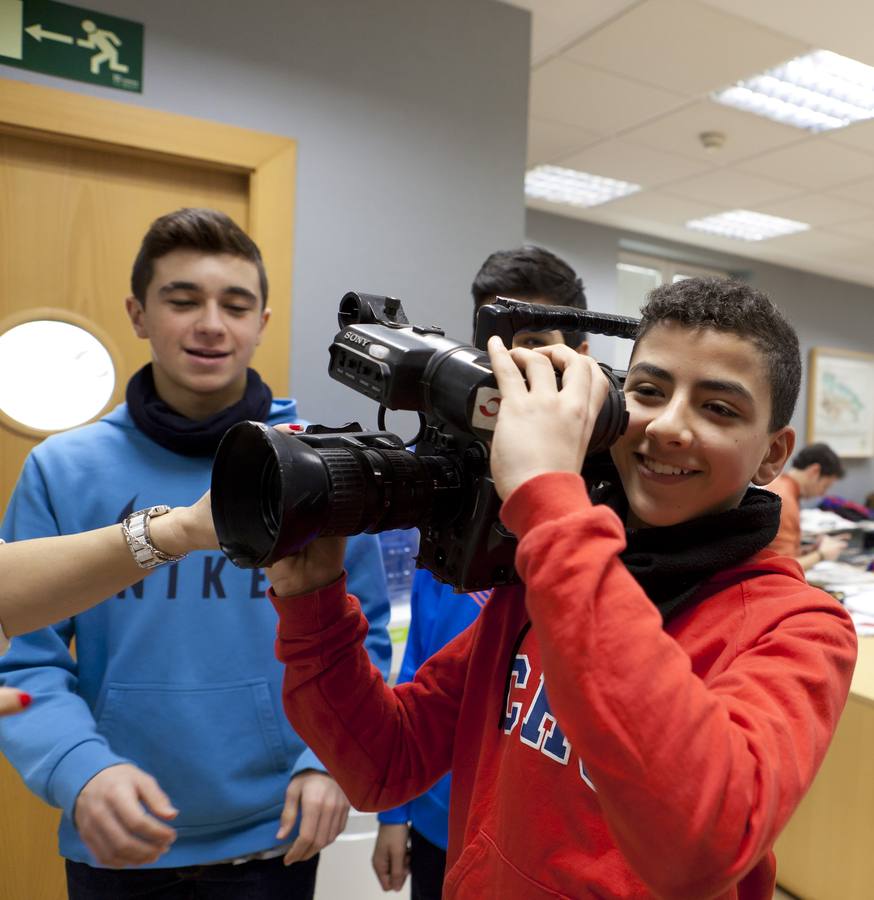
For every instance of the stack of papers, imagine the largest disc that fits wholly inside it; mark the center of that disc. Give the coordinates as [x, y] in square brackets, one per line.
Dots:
[822, 521]
[854, 587]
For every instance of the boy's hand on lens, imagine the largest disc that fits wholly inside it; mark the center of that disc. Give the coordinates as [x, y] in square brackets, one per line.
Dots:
[319, 564]
[542, 427]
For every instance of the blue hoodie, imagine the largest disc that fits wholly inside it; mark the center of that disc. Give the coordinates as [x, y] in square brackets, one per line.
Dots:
[177, 674]
[437, 615]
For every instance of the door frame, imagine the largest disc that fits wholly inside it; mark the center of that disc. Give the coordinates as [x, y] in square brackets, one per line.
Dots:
[268, 160]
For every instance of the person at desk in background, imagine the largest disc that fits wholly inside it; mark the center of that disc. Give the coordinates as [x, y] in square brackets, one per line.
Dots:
[163, 740]
[814, 470]
[85, 568]
[413, 837]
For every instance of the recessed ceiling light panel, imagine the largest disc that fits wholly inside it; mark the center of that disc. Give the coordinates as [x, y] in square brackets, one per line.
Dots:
[745, 225]
[819, 91]
[559, 185]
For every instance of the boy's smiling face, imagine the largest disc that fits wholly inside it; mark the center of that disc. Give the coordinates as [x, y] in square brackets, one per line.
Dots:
[699, 405]
[203, 316]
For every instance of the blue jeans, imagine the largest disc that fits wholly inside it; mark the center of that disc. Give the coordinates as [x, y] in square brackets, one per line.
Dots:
[266, 879]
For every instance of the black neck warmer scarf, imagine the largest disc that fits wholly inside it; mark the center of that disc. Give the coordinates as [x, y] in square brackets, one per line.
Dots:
[670, 563]
[182, 435]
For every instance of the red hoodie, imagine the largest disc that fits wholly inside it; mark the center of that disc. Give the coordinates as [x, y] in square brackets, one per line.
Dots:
[666, 758]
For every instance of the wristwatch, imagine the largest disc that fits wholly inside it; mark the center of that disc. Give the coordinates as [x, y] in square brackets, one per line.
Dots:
[136, 532]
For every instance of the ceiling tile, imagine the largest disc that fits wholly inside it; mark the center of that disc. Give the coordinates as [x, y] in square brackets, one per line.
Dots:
[816, 209]
[563, 91]
[860, 252]
[811, 244]
[683, 46]
[730, 189]
[816, 163]
[549, 141]
[633, 162]
[863, 229]
[859, 135]
[858, 192]
[844, 26]
[557, 23]
[658, 207]
[745, 134]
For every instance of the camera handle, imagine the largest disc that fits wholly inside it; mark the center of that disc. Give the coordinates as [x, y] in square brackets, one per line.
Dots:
[505, 317]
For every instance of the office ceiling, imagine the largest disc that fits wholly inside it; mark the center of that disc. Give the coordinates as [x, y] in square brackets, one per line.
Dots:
[621, 88]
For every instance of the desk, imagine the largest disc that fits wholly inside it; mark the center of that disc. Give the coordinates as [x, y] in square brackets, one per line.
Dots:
[827, 850]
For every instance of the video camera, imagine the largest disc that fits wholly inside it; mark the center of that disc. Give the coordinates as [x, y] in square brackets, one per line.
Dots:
[273, 493]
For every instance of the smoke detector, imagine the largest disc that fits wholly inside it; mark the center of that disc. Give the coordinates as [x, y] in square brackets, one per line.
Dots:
[712, 140]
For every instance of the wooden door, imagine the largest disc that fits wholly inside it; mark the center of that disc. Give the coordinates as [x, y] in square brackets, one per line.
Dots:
[81, 179]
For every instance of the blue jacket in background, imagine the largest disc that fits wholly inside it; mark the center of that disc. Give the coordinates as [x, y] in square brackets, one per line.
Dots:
[437, 615]
[177, 674]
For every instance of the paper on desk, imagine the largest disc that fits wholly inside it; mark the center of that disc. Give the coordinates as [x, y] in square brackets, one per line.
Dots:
[819, 521]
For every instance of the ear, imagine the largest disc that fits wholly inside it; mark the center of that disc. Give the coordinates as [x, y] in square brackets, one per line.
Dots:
[583, 349]
[780, 447]
[265, 318]
[137, 315]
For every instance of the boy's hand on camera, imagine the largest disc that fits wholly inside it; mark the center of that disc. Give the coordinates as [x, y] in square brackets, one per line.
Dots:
[319, 564]
[541, 427]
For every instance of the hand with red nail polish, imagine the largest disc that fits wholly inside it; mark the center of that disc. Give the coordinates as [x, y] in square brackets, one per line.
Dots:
[13, 701]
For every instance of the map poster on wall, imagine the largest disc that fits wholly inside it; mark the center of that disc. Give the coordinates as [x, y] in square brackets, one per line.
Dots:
[840, 409]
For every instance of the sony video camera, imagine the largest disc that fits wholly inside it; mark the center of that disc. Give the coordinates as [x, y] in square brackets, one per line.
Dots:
[273, 493]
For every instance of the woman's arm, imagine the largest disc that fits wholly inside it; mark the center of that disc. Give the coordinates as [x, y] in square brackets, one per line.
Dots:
[48, 579]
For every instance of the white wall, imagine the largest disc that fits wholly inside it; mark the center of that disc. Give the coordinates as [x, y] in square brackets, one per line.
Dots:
[410, 117]
[825, 312]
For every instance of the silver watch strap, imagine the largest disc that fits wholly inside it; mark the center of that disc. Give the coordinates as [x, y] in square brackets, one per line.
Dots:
[136, 532]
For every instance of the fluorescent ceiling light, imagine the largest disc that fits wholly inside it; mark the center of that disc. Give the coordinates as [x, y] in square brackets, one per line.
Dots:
[745, 225]
[819, 91]
[575, 188]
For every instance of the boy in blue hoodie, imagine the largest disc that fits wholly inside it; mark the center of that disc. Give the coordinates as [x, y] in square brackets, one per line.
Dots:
[164, 741]
[413, 838]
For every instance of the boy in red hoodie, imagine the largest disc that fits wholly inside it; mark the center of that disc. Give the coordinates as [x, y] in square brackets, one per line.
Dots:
[642, 715]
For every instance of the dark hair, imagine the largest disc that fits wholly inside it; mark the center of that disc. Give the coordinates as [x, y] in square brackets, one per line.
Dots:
[829, 462]
[206, 230]
[724, 304]
[530, 273]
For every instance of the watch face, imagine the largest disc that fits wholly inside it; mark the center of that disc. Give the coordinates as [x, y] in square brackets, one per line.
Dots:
[53, 375]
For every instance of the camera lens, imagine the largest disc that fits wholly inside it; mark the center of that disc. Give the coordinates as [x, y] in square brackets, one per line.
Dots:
[271, 496]
[273, 493]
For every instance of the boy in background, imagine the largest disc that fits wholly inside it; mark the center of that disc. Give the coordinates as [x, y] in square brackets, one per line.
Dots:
[814, 470]
[642, 715]
[412, 838]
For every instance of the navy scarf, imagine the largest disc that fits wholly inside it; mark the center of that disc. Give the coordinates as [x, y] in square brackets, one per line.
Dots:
[182, 435]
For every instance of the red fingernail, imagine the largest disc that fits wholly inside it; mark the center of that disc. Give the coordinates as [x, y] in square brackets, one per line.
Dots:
[25, 699]
[294, 427]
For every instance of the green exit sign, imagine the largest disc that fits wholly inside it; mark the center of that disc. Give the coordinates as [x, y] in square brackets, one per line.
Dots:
[72, 42]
